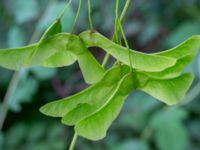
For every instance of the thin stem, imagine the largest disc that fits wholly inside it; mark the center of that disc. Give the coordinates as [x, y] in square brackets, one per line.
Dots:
[73, 141]
[124, 12]
[75, 21]
[105, 60]
[116, 21]
[126, 44]
[122, 16]
[107, 56]
[65, 9]
[90, 15]
[37, 31]
[77, 15]
[123, 34]
[115, 37]
[11, 89]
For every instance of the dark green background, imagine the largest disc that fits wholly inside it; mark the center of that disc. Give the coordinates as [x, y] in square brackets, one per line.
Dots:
[144, 123]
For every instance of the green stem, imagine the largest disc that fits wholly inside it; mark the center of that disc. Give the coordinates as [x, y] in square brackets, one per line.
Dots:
[105, 60]
[75, 21]
[90, 15]
[11, 89]
[126, 44]
[73, 141]
[77, 15]
[65, 9]
[124, 12]
[107, 56]
[115, 37]
[116, 22]
[123, 34]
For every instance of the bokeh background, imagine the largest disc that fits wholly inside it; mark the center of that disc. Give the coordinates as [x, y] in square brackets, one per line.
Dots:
[144, 123]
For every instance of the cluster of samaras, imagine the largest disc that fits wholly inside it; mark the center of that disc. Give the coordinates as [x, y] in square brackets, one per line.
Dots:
[93, 110]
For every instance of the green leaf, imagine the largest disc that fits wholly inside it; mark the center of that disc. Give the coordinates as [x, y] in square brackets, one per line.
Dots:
[25, 11]
[1, 140]
[140, 61]
[183, 31]
[150, 31]
[25, 91]
[169, 130]
[18, 130]
[97, 92]
[131, 144]
[16, 37]
[170, 91]
[43, 73]
[95, 126]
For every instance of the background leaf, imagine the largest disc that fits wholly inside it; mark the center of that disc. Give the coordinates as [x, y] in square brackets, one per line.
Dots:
[25, 11]
[16, 37]
[26, 89]
[170, 133]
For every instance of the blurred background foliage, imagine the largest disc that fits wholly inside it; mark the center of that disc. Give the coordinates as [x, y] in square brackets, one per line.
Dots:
[144, 123]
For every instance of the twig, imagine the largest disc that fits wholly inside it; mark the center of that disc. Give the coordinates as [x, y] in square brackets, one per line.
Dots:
[11, 89]
[73, 141]
[14, 82]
